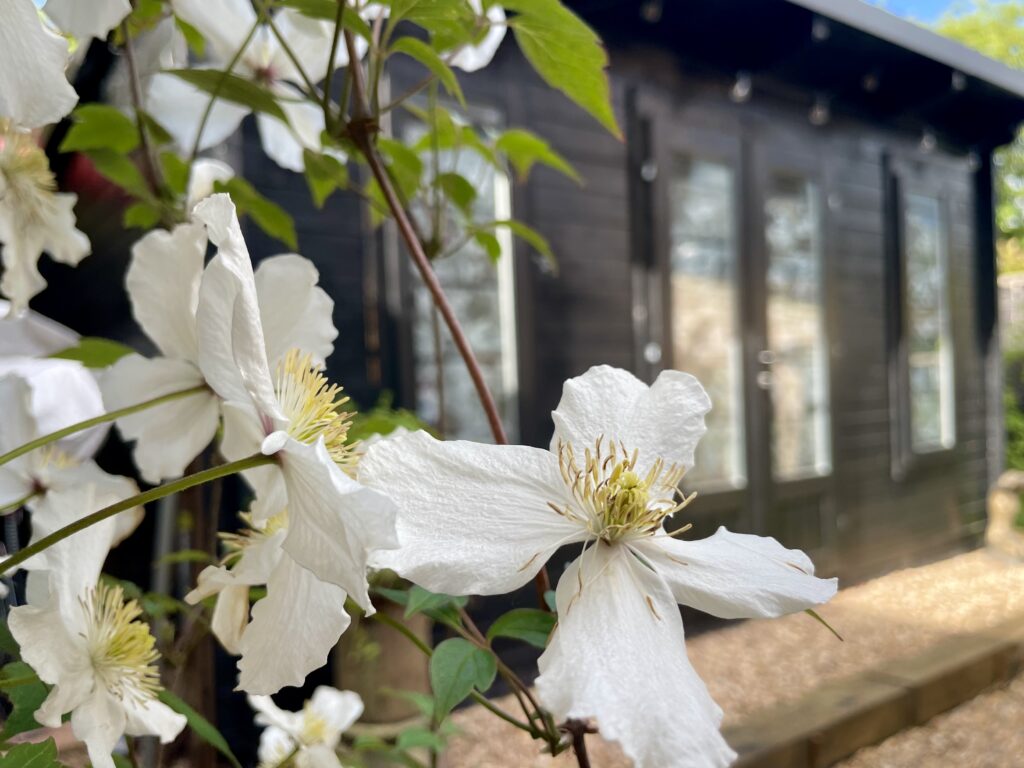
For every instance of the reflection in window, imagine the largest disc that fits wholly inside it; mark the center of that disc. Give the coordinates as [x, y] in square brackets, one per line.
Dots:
[796, 329]
[705, 309]
[482, 295]
[929, 347]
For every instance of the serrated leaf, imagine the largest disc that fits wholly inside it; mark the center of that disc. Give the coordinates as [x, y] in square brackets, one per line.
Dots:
[530, 625]
[267, 215]
[121, 170]
[41, 754]
[94, 352]
[429, 58]
[141, 215]
[232, 88]
[324, 174]
[458, 189]
[524, 149]
[202, 727]
[450, 22]
[566, 53]
[25, 698]
[456, 668]
[98, 126]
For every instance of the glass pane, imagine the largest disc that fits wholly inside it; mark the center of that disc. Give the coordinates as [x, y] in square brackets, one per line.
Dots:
[705, 309]
[928, 342]
[482, 295]
[796, 329]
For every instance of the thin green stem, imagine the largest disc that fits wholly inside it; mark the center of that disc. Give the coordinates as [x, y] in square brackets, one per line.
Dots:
[138, 500]
[398, 626]
[39, 442]
[220, 85]
[15, 506]
[329, 78]
[310, 85]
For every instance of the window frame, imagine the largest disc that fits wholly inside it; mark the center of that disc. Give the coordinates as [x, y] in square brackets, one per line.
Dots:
[905, 179]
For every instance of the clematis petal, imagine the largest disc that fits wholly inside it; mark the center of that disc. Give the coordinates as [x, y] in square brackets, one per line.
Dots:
[737, 575]
[40, 396]
[232, 352]
[284, 143]
[293, 629]
[474, 57]
[160, 47]
[276, 745]
[272, 716]
[14, 487]
[31, 334]
[295, 311]
[33, 88]
[223, 23]
[310, 40]
[56, 654]
[333, 521]
[179, 106]
[152, 718]
[87, 20]
[473, 518]
[665, 420]
[230, 616]
[100, 722]
[167, 436]
[320, 756]
[243, 437]
[163, 286]
[617, 656]
[339, 710]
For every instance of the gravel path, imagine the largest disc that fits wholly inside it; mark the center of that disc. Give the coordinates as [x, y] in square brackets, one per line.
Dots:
[756, 664]
[986, 732]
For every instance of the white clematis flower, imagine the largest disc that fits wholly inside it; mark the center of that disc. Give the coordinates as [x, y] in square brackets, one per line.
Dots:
[83, 638]
[483, 519]
[31, 334]
[225, 24]
[34, 217]
[313, 734]
[163, 286]
[333, 521]
[34, 90]
[156, 49]
[84, 21]
[293, 628]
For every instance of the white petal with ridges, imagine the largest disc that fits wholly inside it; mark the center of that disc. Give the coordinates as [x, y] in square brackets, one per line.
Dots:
[87, 20]
[618, 656]
[665, 420]
[296, 312]
[153, 718]
[99, 722]
[737, 575]
[473, 518]
[179, 107]
[223, 23]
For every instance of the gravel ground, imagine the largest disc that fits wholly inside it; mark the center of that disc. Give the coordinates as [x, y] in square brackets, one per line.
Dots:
[756, 664]
[986, 732]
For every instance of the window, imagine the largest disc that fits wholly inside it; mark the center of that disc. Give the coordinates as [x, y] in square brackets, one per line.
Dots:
[705, 330]
[482, 294]
[927, 325]
[797, 342]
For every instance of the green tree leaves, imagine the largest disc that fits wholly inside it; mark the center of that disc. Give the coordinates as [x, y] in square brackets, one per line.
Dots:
[456, 669]
[40, 755]
[566, 53]
[530, 625]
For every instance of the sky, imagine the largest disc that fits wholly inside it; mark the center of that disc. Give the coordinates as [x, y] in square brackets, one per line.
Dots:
[919, 10]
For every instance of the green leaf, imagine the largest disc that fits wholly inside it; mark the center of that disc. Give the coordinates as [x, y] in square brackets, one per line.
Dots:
[450, 22]
[25, 698]
[524, 149]
[456, 668]
[459, 190]
[423, 601]
[194, 38]
[176, 172]
[530, 625]
[268, 216]
[530, 235]
[97, 126]
[324, 174]
[419, 737]
[327, 10]
[430, 59]
[94, 352]
[490, 244]
[202, 727]
[405, 165]
[234, 89]
[8, 645]
[141, 215]
[120, 169]
[566, 53]
[42, 754]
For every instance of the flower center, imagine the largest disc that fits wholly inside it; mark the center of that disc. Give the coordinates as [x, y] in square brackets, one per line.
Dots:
[314, 407]
[121, 647]
[314, 729]
[234, 543]
[617, 500]
[26, 180]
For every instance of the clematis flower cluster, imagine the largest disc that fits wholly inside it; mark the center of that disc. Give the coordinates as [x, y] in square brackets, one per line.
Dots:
[309, 737]
[483, 519]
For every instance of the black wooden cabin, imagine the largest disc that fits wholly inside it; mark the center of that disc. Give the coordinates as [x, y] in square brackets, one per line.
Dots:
[801, 215]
